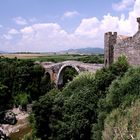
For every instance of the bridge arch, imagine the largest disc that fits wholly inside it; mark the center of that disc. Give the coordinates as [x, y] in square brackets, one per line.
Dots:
[59, 80]
[48, 75]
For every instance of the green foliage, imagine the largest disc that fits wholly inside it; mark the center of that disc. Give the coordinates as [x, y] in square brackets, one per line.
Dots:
[45, 85]
[42, 115]
[59, 58]
[20, 82]
[118, 68]
[4, 97]
[123, 124]
[105, 77]
[98, 59]
[69, 74]
[77, 112]
[71, 111]
[79, 107]
[21, 99]
[124, 90]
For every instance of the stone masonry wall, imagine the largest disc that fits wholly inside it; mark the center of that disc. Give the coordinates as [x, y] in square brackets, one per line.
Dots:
[130, 47]
[109, 41]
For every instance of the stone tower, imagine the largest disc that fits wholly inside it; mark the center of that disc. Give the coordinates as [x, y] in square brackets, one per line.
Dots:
[109, 42]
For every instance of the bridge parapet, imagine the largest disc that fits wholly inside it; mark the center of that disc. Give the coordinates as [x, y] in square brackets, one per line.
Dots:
[56, 69]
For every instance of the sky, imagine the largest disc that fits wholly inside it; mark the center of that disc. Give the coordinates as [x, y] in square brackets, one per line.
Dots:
[56, 25]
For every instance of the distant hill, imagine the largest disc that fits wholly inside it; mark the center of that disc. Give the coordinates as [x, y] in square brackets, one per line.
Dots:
[2, 52]
[86, 51]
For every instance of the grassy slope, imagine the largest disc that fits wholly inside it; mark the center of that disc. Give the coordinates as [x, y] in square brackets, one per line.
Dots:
[123, 124]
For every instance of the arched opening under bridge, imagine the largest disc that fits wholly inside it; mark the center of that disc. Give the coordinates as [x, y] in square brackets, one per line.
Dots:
[66, 74]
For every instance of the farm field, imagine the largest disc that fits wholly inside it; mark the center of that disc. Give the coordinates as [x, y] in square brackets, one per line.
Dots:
[23, 56]
[57, 57]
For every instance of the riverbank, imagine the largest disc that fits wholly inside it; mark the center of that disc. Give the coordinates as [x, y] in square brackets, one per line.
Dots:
[20, 128]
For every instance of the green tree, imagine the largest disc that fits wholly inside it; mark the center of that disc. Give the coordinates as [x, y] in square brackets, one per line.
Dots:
[75, 113]
[68, 75]
[104, 79]
[23, 81]
[5, 97]
[42, 114]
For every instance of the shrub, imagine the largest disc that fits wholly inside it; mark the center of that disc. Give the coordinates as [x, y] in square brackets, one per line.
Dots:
[123, 124]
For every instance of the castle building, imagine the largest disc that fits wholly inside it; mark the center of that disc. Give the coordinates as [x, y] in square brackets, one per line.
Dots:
[116, 46]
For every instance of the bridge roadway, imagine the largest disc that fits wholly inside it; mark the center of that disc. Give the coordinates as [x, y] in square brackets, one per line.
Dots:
[56, 70]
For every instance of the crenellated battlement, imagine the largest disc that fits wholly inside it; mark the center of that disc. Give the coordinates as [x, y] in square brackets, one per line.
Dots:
[111, 33]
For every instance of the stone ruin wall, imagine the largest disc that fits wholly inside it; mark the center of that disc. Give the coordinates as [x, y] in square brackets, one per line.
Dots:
[109, 41]
[130, 47]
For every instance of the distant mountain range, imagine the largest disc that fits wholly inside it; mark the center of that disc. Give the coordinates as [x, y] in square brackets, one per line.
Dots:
[88, 50]
[2, 52]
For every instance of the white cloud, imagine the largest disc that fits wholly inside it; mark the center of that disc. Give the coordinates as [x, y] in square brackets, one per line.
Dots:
[20, 21]
[27, 30]
[90, 33]
[123, 5]
[70, 14]
[13, 31]
[49, 37]
[1, 26]
[94, 29]
[7, 37]
[44, 37]
[88, 27]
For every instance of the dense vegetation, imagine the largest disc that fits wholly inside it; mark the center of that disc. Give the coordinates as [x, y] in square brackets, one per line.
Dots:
[68, 75]
[98, 59]
[91, 106]
[21, 82]
[100, 106]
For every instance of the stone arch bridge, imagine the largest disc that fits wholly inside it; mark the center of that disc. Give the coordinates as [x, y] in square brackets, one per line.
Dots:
[56, 70]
